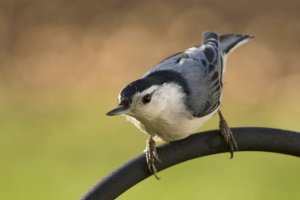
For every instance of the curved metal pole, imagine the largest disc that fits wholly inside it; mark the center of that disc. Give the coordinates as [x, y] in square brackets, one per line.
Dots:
[197, 145]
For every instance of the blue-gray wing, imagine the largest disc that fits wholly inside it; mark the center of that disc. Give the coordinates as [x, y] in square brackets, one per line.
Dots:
[201, 68]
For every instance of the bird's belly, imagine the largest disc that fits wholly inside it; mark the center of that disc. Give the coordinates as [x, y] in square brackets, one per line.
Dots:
[179, 129]
[173, 129]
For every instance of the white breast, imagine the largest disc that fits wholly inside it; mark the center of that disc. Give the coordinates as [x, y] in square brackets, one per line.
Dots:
[171, 129]
[183, 127]
[167, 116]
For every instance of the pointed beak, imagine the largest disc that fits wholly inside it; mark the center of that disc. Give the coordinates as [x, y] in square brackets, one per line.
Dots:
[121, 109]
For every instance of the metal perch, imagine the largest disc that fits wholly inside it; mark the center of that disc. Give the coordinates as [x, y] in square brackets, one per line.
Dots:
[197, 145]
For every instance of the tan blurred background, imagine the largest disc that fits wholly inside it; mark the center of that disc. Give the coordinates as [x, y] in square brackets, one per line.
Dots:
[62, 64]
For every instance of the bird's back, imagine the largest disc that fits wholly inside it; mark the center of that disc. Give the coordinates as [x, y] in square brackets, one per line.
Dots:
[201, 68]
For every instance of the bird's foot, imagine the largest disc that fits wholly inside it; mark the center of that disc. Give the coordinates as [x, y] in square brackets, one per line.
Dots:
[227, 134]
[151, 156]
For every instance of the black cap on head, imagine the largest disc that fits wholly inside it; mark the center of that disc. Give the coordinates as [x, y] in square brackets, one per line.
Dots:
[154, 78]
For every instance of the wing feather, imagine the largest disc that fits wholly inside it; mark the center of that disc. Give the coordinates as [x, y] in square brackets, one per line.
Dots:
[201, 67]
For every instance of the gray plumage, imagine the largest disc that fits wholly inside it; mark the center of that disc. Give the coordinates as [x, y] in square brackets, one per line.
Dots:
[182, 92]
[178, 95]
[202, 66]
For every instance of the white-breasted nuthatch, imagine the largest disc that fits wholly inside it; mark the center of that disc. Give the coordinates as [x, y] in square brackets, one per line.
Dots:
[178, 95]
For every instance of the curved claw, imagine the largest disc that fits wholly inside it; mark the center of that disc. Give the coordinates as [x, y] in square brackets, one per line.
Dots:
[228, 135]
[151, 156]
[156, 156]
[231, 150]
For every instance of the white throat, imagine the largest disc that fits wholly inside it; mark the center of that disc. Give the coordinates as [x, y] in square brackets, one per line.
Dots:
[166, 115]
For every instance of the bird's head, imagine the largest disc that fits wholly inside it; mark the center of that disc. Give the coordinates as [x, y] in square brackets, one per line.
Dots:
[148, 98]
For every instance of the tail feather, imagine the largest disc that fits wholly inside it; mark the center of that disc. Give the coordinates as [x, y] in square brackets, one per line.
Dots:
[229, 42]
[212, 38]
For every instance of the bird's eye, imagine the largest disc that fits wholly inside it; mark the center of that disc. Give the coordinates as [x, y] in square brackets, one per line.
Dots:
[146, 99]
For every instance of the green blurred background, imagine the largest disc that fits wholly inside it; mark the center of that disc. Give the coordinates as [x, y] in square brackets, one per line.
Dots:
[62, 64]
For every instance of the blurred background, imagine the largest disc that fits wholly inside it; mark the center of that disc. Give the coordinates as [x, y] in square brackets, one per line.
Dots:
[63, 63]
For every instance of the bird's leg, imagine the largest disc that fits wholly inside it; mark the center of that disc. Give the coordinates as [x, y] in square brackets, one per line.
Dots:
[227, 134]
[151, 156]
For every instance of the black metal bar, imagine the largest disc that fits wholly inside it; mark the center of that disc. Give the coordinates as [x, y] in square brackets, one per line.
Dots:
[197, 145]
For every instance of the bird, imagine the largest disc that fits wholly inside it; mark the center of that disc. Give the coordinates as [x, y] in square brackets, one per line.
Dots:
[180, 93]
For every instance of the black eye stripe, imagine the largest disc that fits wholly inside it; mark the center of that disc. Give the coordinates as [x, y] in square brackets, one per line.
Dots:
[154, 78]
